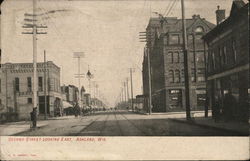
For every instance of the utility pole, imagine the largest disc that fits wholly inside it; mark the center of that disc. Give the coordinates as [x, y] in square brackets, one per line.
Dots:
[45, 86]
[149, 83]
[131, 81]
[127, 89]
[34, 33]
[122, 94]
[79, 55]
[125, 93]
[146, 37]
[186, 62]
[89, 76]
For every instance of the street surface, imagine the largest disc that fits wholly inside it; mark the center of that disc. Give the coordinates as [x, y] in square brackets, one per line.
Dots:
[117, 123]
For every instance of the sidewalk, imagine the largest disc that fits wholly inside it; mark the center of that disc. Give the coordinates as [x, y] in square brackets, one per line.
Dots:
[242, 129]
[14, 128]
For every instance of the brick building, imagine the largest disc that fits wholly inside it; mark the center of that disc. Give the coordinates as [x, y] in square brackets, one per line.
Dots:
[71, 93]
[164, 45]
[228, 63]
[16, 89]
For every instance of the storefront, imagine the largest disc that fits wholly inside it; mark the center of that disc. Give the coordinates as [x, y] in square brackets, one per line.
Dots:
[201, 97]
[175, 98]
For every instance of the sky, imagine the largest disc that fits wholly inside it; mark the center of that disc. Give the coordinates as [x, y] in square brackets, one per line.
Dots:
[106, 31]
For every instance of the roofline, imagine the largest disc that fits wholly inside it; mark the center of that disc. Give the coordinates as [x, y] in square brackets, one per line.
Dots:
[221, 26]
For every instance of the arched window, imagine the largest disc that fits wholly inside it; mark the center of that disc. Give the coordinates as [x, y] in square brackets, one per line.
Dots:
[199, 29]
[176, 57]
[170, 57]
[171, 76]
[177, 76]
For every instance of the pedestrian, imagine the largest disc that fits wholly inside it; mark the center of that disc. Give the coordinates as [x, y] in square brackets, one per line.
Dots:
[230, 104]
[216, 110]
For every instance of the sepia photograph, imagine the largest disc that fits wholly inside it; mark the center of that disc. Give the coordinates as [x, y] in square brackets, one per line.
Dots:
[94, 70]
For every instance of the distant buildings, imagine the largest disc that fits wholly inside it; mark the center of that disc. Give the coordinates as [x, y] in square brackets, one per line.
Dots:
[16, 88]
[165, 48]
[71, 93]
[139, 102]
[228, 63]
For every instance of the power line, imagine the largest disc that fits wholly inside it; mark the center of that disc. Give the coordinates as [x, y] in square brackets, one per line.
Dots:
[171, 8]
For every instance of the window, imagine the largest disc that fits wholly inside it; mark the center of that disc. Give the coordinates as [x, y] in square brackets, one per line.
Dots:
[224, 56]
[201, 71]
[199, 57]
[234, 50]
[191, 56]
[176, 57]
[177, 76]
[201, 75]
[170, 57]
[29, 100]
[201, 79]
[17, 84]
[174, 39]
[213, 60]
[181, 57]
[198, 36]
[29, 84]
[192, 75]
[190, 38]
[182, 76]
[199, 29]
[220, 58]
[40, 83]
[171, 76]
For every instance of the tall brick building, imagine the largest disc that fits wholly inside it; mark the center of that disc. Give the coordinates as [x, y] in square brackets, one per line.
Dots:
[228, 63]
[164, 42]
[16, 89]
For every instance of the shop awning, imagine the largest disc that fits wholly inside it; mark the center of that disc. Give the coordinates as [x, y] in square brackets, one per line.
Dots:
[66, 104]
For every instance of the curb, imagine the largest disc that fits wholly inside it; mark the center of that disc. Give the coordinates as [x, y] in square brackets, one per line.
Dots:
[29, 130]
[211, 127]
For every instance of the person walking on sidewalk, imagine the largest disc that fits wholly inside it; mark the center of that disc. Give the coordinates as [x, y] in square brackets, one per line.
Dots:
[217, 109]
[229, 105]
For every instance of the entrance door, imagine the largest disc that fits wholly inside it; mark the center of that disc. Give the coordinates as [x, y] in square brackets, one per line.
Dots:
[42, 105]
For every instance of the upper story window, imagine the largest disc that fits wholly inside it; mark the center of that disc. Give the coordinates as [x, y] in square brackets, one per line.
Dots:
[29, 84]
[224, 55]
[29, 100]
[174, 39]
[17, 84]
[200, 57]
[182, 76]
[190, 37]
[171, 76]
[191, 56]
[170, 57]
[193, 75]
[234, 50]
[177, 76]
[199, 29]
[40, 83]
[176, 57]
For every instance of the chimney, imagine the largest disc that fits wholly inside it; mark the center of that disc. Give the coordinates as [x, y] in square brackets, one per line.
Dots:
[196, 16]
[220, 15]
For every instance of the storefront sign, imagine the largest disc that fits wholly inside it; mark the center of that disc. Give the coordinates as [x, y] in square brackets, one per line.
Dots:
[200, 91]
[174, 91]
